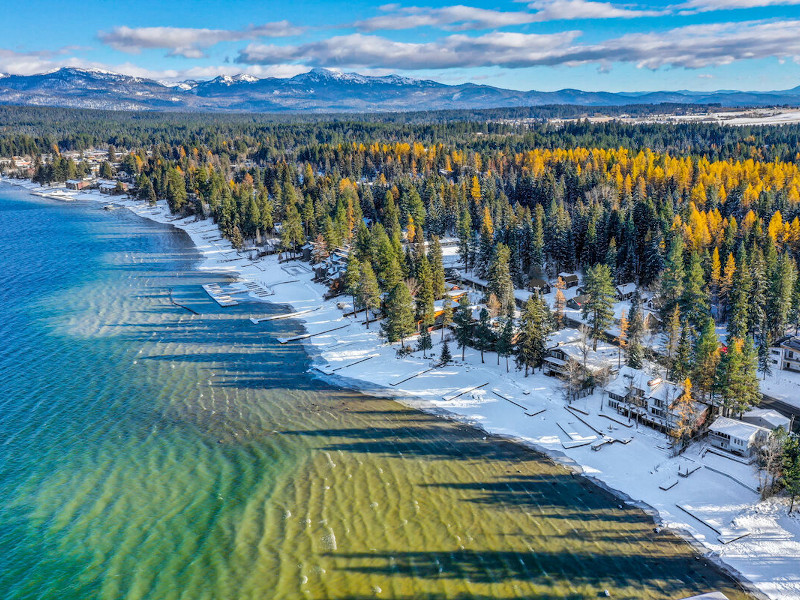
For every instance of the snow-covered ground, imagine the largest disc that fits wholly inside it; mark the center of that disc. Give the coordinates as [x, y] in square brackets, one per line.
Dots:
[716, 504]
[782, 385]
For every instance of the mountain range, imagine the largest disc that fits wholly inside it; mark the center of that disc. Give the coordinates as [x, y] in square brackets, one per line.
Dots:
[323, 90]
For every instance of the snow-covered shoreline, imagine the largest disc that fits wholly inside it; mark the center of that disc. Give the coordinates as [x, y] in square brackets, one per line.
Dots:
[713, 505]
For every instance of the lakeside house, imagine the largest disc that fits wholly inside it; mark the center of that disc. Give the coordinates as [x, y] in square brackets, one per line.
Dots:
[651, 400]
[568, 351]
[789, 359]
[111, 186]
[736, 436]
[570, 279]
[767, 418]
[79, 184]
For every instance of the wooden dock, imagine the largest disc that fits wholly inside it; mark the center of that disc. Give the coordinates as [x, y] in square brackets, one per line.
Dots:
[219, 295]
[290, 315]
[305, 336]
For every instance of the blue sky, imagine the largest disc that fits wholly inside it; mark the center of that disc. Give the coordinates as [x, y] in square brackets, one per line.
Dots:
[526, 44]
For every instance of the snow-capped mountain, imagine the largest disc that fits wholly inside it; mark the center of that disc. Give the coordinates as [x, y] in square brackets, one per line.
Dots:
[322, 90]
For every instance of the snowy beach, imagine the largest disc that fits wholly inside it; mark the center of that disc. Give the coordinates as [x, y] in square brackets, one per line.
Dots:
[707, 497]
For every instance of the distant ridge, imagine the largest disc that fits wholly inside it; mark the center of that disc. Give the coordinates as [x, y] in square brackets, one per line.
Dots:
[324, 90]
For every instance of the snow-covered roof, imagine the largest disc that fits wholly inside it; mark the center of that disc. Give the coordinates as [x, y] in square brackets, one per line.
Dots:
[792, 343]
[736, 429]
[768, 417]
[652, 386]
[626, 288]
[563, 336]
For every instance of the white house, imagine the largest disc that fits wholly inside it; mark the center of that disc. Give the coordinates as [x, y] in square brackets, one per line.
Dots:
[651, 400]
[566, 347]
[736, 436]
[790, 354]
[767, 418]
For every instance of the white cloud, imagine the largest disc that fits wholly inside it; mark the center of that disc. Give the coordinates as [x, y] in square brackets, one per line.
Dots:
[689, 47]
[30, 63]
[695, 6]
[358, 50]
[188, 42]
[461, 18]
[556, 10]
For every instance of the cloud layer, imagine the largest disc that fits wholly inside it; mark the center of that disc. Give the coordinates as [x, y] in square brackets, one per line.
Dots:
[462, 18]
[189, 42]
[691, 47]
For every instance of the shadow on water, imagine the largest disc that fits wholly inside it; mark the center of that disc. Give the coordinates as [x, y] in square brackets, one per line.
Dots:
[629, 574]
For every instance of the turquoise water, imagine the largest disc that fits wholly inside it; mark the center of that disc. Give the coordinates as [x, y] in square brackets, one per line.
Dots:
[146, 452]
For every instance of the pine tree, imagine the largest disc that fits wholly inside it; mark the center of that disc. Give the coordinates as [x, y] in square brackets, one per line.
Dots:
[684, 409]
[534, 330]
[486, 245]
[764, 360]
[739, 317]
[462, 319]
[611, 258]
[706, 358]
[465, 237]
[499, 274]
[726, 283]
[369, 292]
[484, 336]
[399, 322]
[424, 342]
[447, 313]
[738, 378]
[425, 306]
[794, 310]
[505, 344]
[598, 309]
[791, 469]
[683, 356]
[176, 189]
[757, 314]
[694, 299]
[445, 357]
[779, 301]
[635, 333]
[437, 267]
[715, 277]
[673, 276]
[352, 279]
[672, 334]
[537, 240]
[292, 232]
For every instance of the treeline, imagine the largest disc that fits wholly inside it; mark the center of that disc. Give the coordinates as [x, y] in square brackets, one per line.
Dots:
[32, 130]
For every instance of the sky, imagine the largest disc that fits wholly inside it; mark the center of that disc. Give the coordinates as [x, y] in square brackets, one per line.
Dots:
[520, 44]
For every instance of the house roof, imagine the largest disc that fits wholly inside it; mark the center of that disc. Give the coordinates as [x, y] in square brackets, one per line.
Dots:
[773, 417]
[736, 429]
[538, 282]
[792, 343]
[652, 386]
[626, 288]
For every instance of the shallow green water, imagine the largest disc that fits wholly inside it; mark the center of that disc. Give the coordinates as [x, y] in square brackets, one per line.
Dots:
[149, 453]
